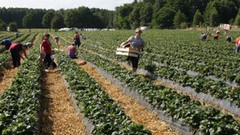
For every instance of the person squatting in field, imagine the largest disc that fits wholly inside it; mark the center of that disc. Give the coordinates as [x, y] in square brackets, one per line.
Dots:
[7, 43]
[136, 42]
[17, 50]
[72, 51]
[46, 51]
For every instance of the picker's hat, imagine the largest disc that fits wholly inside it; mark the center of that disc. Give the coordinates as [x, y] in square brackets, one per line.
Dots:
[138, 30]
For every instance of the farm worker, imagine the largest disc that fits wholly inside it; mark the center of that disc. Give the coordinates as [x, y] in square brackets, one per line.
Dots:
[46, 51]
[7, 43]
[82, 36]
[53, 63]
[16, 34]
[136, 42]
[237, 42]
[204, 37]
[228, 39]
[76, 39]
[216, 36]
[29, 44]
[56, 39]
[16, 50]
[72, 51]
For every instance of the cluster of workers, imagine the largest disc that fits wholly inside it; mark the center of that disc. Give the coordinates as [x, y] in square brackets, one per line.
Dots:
[47, 51]
[18, 50]
[136, 42]
[204, 37]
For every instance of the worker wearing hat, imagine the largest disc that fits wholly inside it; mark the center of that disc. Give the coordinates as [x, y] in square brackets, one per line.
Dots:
[136, 42]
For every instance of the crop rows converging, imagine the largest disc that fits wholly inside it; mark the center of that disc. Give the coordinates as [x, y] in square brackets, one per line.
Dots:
[19, 105]
[99, 48]
[209, 67]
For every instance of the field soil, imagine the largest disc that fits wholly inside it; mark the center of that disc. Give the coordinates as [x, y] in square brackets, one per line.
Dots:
[58, 115]
[7, 78]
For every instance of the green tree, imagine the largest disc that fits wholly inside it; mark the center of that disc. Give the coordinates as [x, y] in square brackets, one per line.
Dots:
[163, 18]
[179, 18]
[57, 22]
[146, 14]
[71, 18]
[214, 17]
[134, 18]
[47, 19]
[197, 19]
[121, 19]
[13, 26]
[28, 21]
[237, 19]
[3, 26]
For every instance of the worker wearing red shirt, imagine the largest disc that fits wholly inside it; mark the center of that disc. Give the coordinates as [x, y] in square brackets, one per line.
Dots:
[45, 47]
[16, 49]
[237, 45]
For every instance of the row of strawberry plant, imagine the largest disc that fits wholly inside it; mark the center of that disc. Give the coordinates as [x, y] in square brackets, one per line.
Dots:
[103, 112]
[19, 105]
[206, 119]
[218, 89]
[218, 67]
[6, 54]
[225, 68]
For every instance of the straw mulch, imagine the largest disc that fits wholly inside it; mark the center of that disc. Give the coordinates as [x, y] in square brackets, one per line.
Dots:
[6, 79]
[58, 116]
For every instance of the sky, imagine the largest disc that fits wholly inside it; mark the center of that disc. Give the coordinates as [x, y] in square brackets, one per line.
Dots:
[65, 4]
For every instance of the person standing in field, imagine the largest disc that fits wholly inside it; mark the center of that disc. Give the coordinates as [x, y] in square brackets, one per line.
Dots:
[237, 42]
[72, 51]
[7, 43]
[16, 50]
[46, 51]
[137, 43]
[76, 39]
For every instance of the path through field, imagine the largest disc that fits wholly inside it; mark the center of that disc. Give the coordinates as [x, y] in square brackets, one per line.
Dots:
[6, 78]
[58, 115]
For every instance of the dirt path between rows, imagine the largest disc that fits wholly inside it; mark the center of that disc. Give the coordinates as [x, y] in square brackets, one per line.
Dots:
[7, 78]
[58, 115]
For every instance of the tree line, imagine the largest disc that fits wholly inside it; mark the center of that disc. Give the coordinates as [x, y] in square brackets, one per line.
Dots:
[177, 13]
[81, 17]
[152, 13]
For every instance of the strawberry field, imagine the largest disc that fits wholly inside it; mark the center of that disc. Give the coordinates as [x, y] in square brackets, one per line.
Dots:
[183, 86]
